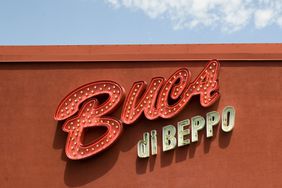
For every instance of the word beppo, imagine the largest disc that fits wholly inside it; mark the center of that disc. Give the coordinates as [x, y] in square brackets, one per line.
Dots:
[172, 136]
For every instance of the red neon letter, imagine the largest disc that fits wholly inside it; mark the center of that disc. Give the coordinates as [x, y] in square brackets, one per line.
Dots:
[206, 85]
[133, 107]
[90, 115]
[173, 90]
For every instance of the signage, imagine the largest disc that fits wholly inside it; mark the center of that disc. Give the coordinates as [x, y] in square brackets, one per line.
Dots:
[162, 98]
[170, 140]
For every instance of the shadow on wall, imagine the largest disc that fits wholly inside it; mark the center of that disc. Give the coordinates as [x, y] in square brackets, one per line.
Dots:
[81, 172]
[185, 152]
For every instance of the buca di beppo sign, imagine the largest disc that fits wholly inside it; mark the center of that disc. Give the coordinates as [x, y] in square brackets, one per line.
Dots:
[81, 109]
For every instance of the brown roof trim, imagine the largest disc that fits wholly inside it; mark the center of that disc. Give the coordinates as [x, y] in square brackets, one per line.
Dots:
[165, 52]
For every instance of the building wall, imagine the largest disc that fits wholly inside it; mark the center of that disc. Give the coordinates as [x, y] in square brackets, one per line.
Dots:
[33, 80]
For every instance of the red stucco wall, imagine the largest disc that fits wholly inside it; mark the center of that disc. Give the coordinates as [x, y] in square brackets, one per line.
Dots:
[33, 80]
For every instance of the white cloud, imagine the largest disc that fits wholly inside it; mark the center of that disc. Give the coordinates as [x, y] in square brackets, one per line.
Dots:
[228, 15]
[263, 18]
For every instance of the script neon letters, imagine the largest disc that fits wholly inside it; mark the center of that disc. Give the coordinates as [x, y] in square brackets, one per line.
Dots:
[81, 108]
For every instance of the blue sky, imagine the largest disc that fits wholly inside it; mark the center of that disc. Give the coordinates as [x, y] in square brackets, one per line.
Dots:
[38, 22]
